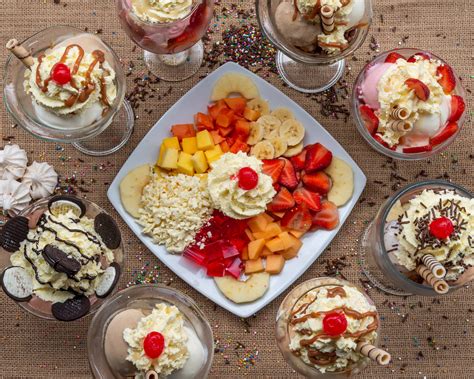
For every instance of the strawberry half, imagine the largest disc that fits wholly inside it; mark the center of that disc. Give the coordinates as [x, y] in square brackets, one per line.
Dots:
[317, 158]
[425, 56]
[282, 201]
[298, 161]
[379, 139]
[288, 175]
[417, 149]
[327, 218]
[297, 218]
[448, 131]
[393, 57]
[447, 79]
[318, 182]
[311, 199]
[273, 168]
[457, 107]
[422, 91]
[371, 121]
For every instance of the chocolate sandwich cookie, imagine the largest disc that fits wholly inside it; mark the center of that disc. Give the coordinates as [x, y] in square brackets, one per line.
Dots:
[108, 230]
[71, 309]
[62, 203]
[13, 233]
[60, 261]
[108, 280]
[17, 283]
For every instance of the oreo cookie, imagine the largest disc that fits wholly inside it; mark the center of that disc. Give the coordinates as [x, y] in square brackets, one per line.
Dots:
[60, 261]
[108, 280]
[13, 233]
[108, 230]
[62, 203]
[17, 283]
[71, 309]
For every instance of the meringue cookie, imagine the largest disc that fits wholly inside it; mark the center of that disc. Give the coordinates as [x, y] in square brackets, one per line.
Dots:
[14, 196]
[41, 179]
[13, 161]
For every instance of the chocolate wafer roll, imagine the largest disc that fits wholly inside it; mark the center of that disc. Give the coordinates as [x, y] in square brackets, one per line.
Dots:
[20, 52]
[400, 126]
[151, 374]
[400, 113]
[436, 268]
[377, 355]
[327, 19]
[439, 285]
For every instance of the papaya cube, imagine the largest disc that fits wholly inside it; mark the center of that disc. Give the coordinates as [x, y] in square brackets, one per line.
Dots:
[170, 159]
[293, 250]
[189, 145]
[199, 162]
[265, 252]
[275, 264]
[275, 244]
[287, 240]
[258, 223]
[296, 233]
[251, 115]
[204, 140]
[254, 265]
[237, 104]
[172, 142]
[244, 255]
[185, 164]
[213, 154]
[249, 234]
[224, 146]
[267, 217]
[255, 248]
[183, 130]
[271, 230]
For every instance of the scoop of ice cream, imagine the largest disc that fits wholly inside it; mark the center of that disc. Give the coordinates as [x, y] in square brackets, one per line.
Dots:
[356, 14]
[369, 90]
[161, 10]
[429, 124]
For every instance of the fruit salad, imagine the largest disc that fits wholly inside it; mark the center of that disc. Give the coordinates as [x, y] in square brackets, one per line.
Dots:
[235, 191]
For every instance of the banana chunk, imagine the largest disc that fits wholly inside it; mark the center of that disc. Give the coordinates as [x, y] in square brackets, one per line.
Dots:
[131, 188]
[282, 114]
[342, 181]
[294, 150]
[260, 105]
[271, 126]
[263, 150]
[244, 292]
[234, 82]
[280, 146]
[292, 131]
[256, 133]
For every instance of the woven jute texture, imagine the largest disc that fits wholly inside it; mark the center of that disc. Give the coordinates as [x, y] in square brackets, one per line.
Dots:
[426, 338]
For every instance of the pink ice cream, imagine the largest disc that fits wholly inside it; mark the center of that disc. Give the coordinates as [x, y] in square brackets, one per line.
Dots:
[369, 90]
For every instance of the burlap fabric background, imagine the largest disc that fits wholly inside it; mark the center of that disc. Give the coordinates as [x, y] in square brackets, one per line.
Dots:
[426, 338]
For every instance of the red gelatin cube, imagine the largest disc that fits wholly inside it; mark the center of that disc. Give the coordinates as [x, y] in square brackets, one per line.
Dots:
[229, 251]
[239, 243]
[196, 255]
[235, 269]
[214, 251]
[216, 269]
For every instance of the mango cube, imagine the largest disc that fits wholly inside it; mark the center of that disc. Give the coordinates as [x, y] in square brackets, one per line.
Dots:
[185, 164]
[160, 156]
[170, 159]
[204, 140]
[189, 145]
[172, 142]
[213, 154]
[199, 162]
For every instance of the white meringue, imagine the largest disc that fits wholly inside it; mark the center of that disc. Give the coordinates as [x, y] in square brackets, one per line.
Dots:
[41, 179]
[13, 161]
[14, 196]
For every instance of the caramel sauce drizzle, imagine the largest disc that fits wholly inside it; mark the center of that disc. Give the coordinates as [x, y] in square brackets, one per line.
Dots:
[336, 291]
[295, 13]
[315, 11]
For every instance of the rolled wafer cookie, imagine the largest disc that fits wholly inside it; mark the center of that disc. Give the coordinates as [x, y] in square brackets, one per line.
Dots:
[400, 113]
[20, 52]
[436, 268]
[151, 374]
[327, 19]
[377, 355]
[400, 126]
[439, 285]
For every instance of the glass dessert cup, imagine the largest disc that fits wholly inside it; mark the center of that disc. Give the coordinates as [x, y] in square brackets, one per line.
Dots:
[144, 297]
[38, 306]
[283, 333]
[308, 72]
[106, 134]
[357, 101]
[375, 261]
[173, 51]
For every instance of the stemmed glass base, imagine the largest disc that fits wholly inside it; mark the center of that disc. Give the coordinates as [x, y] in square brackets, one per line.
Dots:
[175, 67]
[309, 78]
[114, 137]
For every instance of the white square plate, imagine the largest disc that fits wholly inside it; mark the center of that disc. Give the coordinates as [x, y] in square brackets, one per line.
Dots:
[314, 243]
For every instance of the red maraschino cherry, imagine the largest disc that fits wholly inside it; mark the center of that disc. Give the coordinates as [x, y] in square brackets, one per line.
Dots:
[61, 73]
[248, 178]
[334, 324]
[154, 344]
[441, 228]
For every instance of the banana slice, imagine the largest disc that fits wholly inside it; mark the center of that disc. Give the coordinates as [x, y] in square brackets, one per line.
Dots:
[292, 131]
[260, 105]
[294, 150]
[282, 114]
[342, 181]
[271, 126]
[131, 188]
[244, 292]
[233, 82]
[263, 150]
[280, 146]
[256, 133]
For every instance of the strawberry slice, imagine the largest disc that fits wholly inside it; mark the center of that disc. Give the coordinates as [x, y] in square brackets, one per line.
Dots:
[370, 119]
[282, 201]
[317, 158]
[422, 91]
[273, 168]
[425, 56]
[417, 149]
[277, 186]
[297, 218]
[298, 161]
[288, 175]
[379, 139]
[393, 57]
[457, 107]
[447, 79]
[318, 182]
[311, 199]
[448, 131]
[327, 218]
